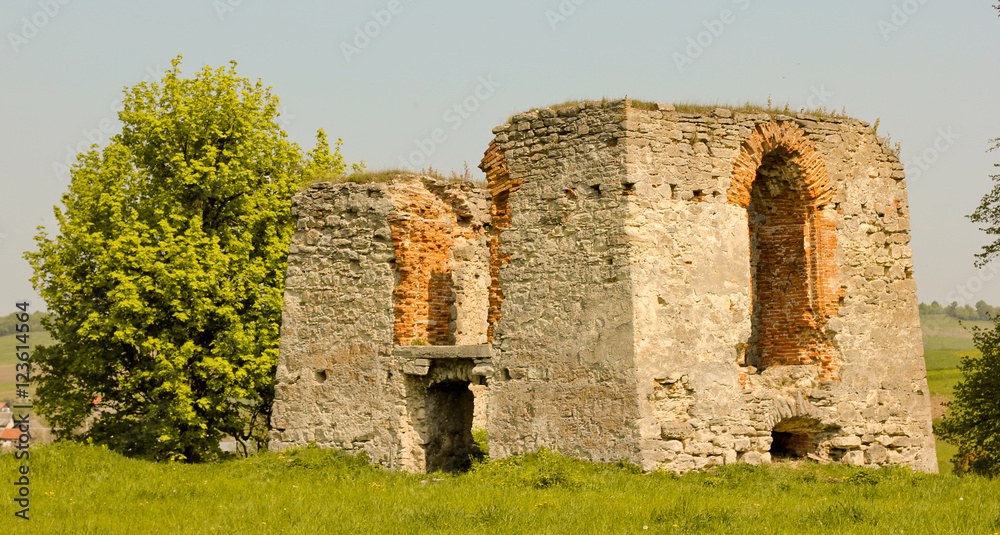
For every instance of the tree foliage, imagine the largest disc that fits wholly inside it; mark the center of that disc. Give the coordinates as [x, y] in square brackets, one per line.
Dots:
[323, 165]
[973, 418]
[167, 276]
[982, 311]
[987, 215]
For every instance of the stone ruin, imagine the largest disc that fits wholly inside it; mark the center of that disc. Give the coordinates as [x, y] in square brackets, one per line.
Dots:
[676, 290]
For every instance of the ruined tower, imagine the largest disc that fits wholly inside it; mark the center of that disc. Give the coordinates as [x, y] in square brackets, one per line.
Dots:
[674, 289]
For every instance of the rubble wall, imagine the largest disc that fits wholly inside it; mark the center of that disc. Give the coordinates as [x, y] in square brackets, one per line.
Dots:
[563, 344]
[828, 355]
[374, 267]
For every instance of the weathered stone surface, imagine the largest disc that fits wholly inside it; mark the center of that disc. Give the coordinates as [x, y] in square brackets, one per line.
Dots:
[370, 267]
[673, 289]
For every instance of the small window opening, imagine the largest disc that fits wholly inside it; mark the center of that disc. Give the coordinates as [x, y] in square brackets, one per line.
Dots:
[628, 188]
[320, 376]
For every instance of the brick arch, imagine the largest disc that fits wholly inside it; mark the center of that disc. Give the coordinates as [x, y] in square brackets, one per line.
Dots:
[766, 138]
[781, 180]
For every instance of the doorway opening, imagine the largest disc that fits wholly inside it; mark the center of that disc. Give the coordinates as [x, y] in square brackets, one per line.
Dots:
[450, 408]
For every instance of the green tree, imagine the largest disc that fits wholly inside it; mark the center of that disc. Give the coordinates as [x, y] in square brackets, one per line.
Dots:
[973, 418]
[166, 278]
[323, 165]
[987, 215]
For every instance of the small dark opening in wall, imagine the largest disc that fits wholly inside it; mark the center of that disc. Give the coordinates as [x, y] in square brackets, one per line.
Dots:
[571, 193]
[795, 438]
[320, 376]
[782, 444]
[628, 188]
[506, 374]
[699, 195]
[596, 188]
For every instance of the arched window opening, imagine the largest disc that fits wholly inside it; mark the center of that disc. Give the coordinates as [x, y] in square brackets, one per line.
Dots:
[782, 326]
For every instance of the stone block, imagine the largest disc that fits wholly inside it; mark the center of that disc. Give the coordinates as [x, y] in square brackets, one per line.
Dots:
[846, 442]
[675, 430]
[416, 366]
[876, 454]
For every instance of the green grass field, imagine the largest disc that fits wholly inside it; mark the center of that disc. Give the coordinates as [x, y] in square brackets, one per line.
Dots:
[88, 490]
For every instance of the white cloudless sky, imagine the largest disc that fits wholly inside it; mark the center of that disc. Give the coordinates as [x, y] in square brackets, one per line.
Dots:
[928, 70]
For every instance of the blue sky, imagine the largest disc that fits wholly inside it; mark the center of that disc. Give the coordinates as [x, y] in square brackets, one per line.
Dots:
[385, 74]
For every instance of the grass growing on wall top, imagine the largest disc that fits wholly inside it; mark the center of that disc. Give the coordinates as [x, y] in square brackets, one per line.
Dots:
[89, 490]
[388, 175]
[705, 108]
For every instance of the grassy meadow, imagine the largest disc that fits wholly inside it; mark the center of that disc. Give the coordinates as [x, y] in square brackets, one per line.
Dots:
[84, 489]
[88, 490]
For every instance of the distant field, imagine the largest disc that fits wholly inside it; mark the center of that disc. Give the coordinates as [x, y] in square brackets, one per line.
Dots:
[9, 342]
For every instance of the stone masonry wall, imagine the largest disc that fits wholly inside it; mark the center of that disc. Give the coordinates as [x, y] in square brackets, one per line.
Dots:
[726, 359]
[679, 290]
[372, 266]
[337, 322]
[565, 365]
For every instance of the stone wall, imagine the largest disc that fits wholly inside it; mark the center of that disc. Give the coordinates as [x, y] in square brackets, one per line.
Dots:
[372, 268]
[679, 290]
[768, 285]
[564, 340]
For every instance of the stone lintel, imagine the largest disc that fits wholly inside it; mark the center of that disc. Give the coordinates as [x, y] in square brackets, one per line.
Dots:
[479, 351]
